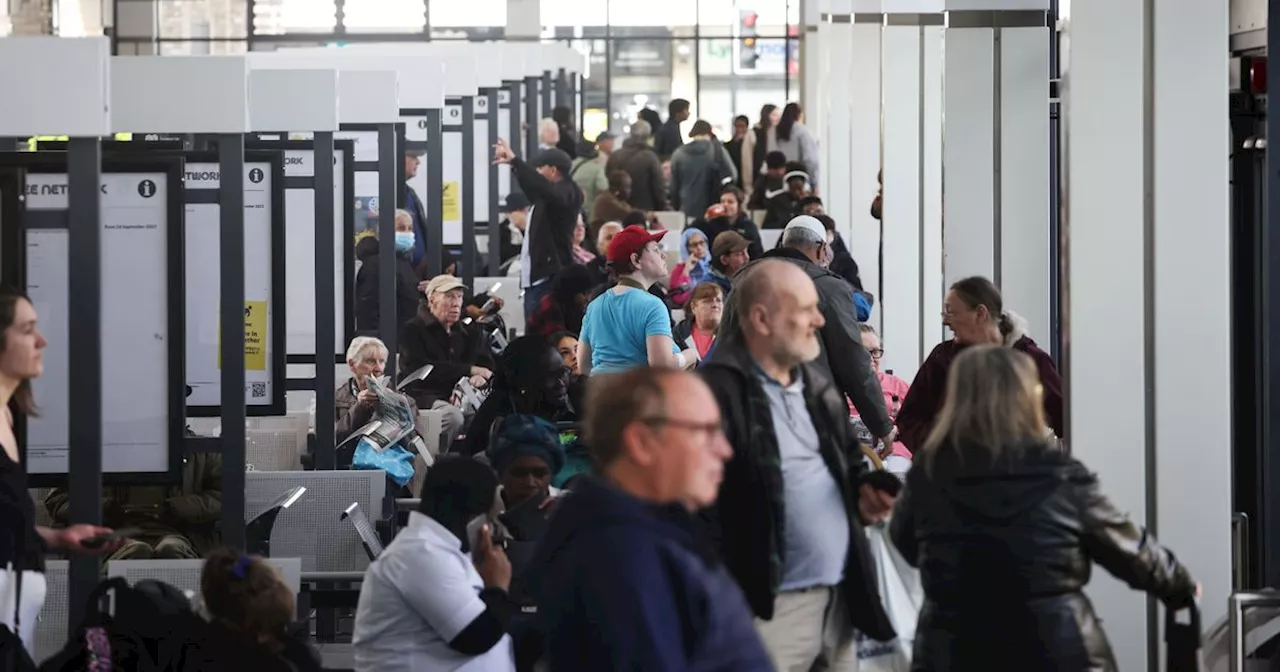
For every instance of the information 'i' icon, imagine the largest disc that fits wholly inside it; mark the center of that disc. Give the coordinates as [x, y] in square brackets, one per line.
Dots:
[146, 188]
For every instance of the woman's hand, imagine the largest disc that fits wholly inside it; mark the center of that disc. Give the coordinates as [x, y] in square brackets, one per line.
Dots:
[367, 397]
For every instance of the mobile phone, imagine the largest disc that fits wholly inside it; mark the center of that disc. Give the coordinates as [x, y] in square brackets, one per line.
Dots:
[885, 482]
[103, 539]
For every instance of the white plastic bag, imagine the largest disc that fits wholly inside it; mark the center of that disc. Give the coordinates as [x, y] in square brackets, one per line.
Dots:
[902, 596]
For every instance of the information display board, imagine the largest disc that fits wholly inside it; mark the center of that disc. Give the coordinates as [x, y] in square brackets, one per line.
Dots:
[504, 124]
[484, 156]
[300, 242]
[451, 144]
[264, 284]
[142, 314]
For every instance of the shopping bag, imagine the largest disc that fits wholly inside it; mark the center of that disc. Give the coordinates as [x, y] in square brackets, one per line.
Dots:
[1182, 636]
[385, 442]
[902, 596]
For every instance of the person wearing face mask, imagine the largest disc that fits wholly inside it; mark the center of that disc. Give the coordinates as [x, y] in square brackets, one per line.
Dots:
[437, 597]
[805, 244]
[368, 308]
[974, 312]
[531, 379]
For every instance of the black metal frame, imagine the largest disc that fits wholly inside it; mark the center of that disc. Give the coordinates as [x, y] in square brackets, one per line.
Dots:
[45, 162]
[347, 149]
[495, 217]
[277, 367]
[13, 183]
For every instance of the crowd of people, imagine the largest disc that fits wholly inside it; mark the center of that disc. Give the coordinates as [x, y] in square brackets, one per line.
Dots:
[676, 465]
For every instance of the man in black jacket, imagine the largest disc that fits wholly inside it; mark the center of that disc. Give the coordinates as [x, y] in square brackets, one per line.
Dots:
[793, 502]
[804, 243]
[435, 336]
[548, 236]
[668, 138]
[637, 158]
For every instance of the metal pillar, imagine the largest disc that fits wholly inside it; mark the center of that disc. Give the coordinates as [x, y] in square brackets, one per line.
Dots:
[390, 192]
[326, 312]
[231, 254]
[84, 180]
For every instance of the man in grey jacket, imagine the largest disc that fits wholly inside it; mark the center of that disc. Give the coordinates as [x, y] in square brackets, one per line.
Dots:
[699, 171]
[804, 243]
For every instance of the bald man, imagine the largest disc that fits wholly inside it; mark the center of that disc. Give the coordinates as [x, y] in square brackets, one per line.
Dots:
[793, 502]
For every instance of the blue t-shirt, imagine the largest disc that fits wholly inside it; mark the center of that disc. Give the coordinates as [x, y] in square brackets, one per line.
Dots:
[616, 326]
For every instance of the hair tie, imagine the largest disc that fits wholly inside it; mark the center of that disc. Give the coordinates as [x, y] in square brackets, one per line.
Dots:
[242, 563]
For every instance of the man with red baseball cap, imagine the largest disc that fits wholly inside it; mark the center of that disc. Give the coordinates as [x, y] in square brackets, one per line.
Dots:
[626, 326]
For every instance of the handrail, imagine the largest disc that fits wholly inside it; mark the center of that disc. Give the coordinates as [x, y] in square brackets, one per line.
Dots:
[310, 577]
[403, 504]
[1238, 603]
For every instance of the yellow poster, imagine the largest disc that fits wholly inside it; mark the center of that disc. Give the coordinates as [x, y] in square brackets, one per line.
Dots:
[451, 203]
[255, 336]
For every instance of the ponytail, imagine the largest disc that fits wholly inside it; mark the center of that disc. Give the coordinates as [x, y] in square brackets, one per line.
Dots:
[1005, 325]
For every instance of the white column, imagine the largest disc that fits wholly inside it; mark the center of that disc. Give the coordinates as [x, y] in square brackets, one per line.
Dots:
[1144, 118]
[1192, 231]
[912, 136]
[524, 19]
[837, 134]
[814, 67]
[996, 152]
[860, 76]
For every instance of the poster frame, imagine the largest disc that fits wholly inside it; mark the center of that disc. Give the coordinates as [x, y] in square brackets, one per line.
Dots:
[173, 166]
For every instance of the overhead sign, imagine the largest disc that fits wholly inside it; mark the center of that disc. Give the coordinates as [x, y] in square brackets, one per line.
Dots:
[136, 283]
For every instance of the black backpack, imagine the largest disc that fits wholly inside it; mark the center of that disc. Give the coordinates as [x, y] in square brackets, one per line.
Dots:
[150, 628]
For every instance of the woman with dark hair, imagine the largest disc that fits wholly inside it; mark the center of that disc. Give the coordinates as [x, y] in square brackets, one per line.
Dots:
[734, 202]
[1005, 528]
[22, 543]
[651, 117]
[251, 611]
[793, 138]
[562, 308]
[531, 379]
[437, 598]
[566, 343]
[974, 311]
[758, 143]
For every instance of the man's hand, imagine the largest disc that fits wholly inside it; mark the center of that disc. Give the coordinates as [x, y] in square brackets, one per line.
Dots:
[482, 372]
[874, 504]
[502, 152]
[491, 561]
[886, 442]
[367, 397]
[478, 381]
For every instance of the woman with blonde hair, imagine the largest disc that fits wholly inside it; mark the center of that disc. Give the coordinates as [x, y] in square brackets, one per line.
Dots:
[1005, 527]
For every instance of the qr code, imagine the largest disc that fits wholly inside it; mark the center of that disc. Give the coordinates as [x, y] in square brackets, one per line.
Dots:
[258, 390]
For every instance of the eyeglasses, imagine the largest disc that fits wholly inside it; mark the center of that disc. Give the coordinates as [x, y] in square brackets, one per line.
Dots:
[709, 428]
[526, 472]
[876, 354]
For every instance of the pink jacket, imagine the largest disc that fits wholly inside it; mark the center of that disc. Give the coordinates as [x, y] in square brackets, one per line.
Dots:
[895, 391]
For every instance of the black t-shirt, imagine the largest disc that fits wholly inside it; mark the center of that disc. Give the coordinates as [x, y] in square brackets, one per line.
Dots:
[18, 518]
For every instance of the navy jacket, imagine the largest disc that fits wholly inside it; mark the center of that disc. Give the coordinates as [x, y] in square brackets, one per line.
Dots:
[627, 585]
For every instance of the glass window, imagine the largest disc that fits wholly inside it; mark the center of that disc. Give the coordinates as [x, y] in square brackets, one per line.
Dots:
[385, 16]
[455, 14]
[573, 13]
[279, 17]
[742, 18]
[649, 73]
[659, 13]
[202, 47]
[738, 76]
[202, 19]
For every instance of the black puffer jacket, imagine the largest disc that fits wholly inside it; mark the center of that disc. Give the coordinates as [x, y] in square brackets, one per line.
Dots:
[1004, 553]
